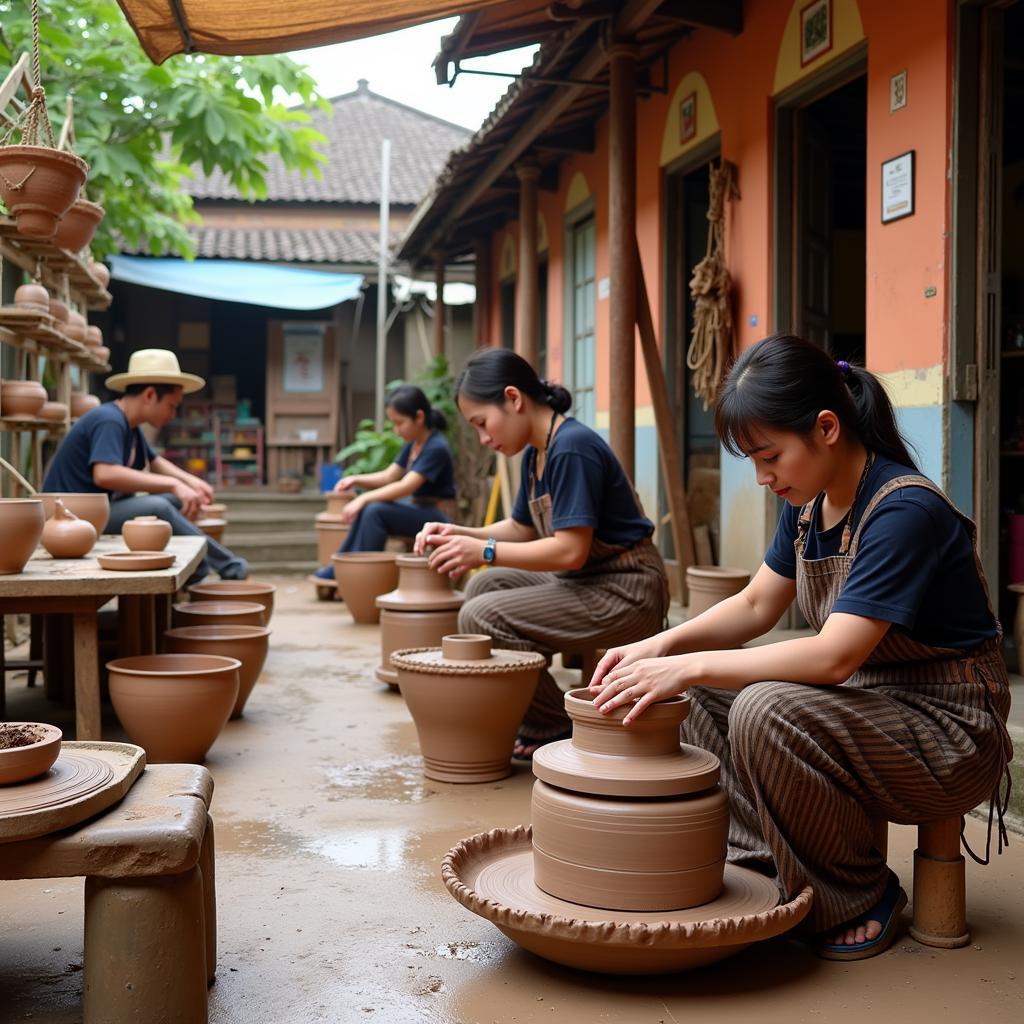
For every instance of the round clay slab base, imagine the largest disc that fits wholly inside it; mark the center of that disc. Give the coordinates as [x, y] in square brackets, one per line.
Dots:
[491, 874]
[136, 561]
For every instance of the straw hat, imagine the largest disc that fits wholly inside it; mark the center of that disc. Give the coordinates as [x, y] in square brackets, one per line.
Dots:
[155, 366]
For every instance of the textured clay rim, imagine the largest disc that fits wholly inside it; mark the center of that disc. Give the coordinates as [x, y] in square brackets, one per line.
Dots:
[217, 607]
[406, 659]
[242, 586]
[59, 155]
[725, 931]
[216, 664]
[216, 632]
[51, 731]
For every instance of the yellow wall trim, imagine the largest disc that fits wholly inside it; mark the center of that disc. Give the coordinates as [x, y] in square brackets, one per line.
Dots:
[578, 192]
[644, 417]
[692, 85]
[912, 388]
[847, 31]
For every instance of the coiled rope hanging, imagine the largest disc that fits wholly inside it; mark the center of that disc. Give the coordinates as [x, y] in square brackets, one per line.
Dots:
[33, 120]
[711, 290]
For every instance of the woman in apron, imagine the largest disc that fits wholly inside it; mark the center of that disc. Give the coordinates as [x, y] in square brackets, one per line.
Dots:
[418, 486]
[574, 566]
[895, 708]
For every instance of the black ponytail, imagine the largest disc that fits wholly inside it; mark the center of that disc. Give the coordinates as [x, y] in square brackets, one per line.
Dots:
[491, 370]
[783, 382]
[408, 400]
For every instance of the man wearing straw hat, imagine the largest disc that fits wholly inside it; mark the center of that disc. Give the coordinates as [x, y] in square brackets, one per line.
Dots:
[106, 451]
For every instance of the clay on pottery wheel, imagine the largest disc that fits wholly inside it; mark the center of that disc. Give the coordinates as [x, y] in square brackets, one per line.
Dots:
[146, 533]
[236, 590]
[246, 643]
[174, 705]
[81, 403]
[218, 613]
[709, 584]
[21, 526]
[27, 760]
[67, 536]
[467, 702]
[213, 528]
[362, 577]
[330, 535]
[93, 507]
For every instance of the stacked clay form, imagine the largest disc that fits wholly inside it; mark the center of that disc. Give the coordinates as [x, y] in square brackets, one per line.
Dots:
[467, 702]
[362, 577]
[419, 612]
[146, 533]
[93, 507]
[21, 526]
[236, 590]
[67, 536]
[218, 613]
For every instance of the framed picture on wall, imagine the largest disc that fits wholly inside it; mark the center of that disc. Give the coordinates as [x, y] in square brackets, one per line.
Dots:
[898, 187]
[815, 30]
[303, 358]
[688, 118]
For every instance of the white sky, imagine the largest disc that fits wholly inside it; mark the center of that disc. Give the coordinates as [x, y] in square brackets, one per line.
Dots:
[398, 65]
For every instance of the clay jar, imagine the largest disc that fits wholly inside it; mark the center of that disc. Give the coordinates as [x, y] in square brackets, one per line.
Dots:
[94, 507]
[146, 533]
[467, 702]
[709, 584]
[628, 818]
[19, 764]
[32, 296]
[21, 526]
[362, 577]
[337, 500]
[21, 397]
[419, 612]
[81, 403]
[174, 705]
[67, 536]
[218, 613]
[330, 535]
[248, 644]
[236, 590]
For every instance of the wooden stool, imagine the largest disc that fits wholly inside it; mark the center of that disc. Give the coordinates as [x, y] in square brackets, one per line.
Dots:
[940, 888]
[1018, 624]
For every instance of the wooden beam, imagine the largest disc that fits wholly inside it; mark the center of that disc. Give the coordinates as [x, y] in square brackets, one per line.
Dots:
[723, 15]
[526, 276]
[483, 281]
[582, 140]
[440, 262]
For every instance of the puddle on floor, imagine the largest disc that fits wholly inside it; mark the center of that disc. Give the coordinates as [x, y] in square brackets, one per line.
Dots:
[396, 779]
[381, 850]
[253, 835]
[469, 952]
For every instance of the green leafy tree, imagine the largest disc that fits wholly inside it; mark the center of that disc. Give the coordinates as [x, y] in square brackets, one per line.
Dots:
[142, 127]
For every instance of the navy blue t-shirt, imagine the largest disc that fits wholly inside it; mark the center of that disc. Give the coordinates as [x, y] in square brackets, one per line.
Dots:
[587, 486]
[434, 464]
[914, 566]
[101, 435]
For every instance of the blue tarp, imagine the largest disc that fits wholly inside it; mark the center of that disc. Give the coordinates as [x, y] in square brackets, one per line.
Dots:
[258, 284]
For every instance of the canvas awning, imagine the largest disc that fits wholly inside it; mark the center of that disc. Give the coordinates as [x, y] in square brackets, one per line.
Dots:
[256, 284]
[166, 27]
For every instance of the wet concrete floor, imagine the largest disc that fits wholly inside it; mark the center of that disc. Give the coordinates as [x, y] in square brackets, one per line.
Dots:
[332, 909]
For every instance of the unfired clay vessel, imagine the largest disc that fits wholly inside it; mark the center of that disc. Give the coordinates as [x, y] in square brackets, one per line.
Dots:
[246, 643]
[218, 613]
[75, 326]
[67, 536]
[146, 533]
[53, 412]
[236, 590]
[93, 336]
[136, 561]
[21, 397]
[213, 528]
[467, 702]
[709, 584]
[174, 705]
[337, 500]
[216, 510]
[21, 526]
[362, 577]
[18, 764]
[32, 296]
[59, 311]
[93, 507]
[330, 535]
[81, 403]
[419, 612]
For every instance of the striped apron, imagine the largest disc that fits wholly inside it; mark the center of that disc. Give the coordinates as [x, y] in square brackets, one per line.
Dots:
[916, 734]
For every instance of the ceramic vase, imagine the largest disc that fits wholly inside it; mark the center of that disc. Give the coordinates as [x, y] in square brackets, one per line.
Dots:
[38, 185]
[93, 507]
[467, 702]
[146, 533]
[236, 590]
[67, 536]
[248, 644]
[362, 577]
[19, 764]
[330, 535]
[32, 296]
[78, 225]
[216, 613]
[81, 403]
[21, 526]
[22, 398]
[709, 584]
[174, 705]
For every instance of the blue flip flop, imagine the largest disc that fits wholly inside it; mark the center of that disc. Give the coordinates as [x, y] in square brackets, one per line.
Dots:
[886, 911]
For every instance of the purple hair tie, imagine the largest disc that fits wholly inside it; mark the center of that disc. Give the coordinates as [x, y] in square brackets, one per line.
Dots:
[844, 367]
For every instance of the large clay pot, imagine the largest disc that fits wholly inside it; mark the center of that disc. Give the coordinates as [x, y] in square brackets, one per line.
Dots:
[246, 643]
[38, 185]
[67, 536]
[709, 584]
[81, 403]
[95, 507]
[32, 296]
[218, 613]
[146, 533]
[18, 764]
[21, 397]
[362, 577]
[467, 702]
[78, 225]
[174, 705]
[330, 535]
[21, 526]
[236, 590]
[213, 528]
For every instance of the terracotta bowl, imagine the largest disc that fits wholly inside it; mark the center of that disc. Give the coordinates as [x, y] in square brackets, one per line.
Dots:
[54, 412]
[21, 526]
[17, 764]
[246, 643]
[146, 533]
[236, 590]
[136, 561]
[21, 397]
[362, 577]
[218, 613]
[213, 528]
[94, 507]
[81, 403]
[174, 705]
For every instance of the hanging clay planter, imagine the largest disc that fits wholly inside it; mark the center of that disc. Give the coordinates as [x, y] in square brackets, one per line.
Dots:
[236, 590]
[32, 296]
[146, 533]
[419, 612]
[362, 577]
[78, 225]
[248, 644]
[21, 526]
[22, 398]
[218, 613]
[331, 532]
[467, 702]
[95, 507]
[27, 750]
[213, 528]
[38, 185]
[174, 705]
[709, 584]
[67, 536]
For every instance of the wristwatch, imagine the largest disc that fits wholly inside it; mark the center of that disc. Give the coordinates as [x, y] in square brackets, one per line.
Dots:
[489, 550]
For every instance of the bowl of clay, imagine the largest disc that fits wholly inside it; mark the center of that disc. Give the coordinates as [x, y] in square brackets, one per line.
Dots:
[135, 561]
[27, 749]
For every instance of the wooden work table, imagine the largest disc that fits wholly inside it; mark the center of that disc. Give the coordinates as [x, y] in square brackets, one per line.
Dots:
[79, 587]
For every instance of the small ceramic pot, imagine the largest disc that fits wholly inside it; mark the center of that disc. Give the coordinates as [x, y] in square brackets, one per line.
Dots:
[93, 336]
[337, 500]
[174, 705]
[217, 510]
[93, 507]
[709, 584]
[467, 702]
[81, 403]
[21, 526]
[102, 353]
[330, 535]
[21, 397]
[213, 528]
[236, 590]
[32, 296]
[67, 536]
[59, 311]
[246, 643]
[76, 326]
[53, 412]
[19, 764]
[146, 533]
[218, 613]
[362, 577]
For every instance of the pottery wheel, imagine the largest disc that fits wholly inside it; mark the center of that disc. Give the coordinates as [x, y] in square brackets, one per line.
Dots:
[491, 874]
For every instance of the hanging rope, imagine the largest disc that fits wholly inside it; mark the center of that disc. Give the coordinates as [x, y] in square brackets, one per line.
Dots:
[711, 290]
[33, 121]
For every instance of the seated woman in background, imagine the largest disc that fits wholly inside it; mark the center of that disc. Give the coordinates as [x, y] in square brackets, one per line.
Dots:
[418, 487]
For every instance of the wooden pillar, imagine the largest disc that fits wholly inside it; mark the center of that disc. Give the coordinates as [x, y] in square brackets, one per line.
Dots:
[526, 280]
[622, 253]
[440, 260]
[484, 284]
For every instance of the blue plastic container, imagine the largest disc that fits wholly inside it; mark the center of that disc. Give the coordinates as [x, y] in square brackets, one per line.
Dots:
[330, 474]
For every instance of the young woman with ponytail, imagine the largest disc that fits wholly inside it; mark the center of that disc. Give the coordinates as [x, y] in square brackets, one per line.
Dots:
[418, 486]
[574, 565]
[895, 708]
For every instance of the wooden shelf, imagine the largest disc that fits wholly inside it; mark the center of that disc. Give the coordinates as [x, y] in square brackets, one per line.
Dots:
[1012, 353]
[16, 423]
